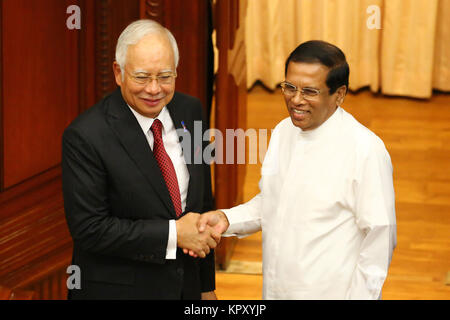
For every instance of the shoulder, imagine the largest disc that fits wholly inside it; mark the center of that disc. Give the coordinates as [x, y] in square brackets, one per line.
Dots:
[180, 97]
[185, 104]
[366, 142]
[284, 132]
[185, 101]
[285, 126]
[92, 121]
[283, 135]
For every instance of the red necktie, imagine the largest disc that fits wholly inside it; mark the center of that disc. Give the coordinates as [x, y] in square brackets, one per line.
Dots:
[166, 166]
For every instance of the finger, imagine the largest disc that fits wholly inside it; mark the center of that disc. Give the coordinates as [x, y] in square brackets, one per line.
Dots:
[216, 236]
[202, 222]
[201, 254]
[199, 250]
[211, 243]
[205, 247]
[193, 254]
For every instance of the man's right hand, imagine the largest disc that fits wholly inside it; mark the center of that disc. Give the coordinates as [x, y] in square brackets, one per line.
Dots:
[215, 220]
[190, 238]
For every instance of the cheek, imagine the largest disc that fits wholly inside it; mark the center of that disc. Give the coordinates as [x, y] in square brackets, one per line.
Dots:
[169, 92]
[130, 89]
[289, 103]
[286, 101]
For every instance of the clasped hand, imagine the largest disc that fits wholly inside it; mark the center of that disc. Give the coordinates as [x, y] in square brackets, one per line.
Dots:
[197, 233]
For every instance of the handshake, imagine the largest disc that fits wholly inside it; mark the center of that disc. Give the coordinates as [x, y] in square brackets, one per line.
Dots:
[197, 233]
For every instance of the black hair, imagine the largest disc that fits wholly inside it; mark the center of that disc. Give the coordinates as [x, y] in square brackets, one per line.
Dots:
[327, 54]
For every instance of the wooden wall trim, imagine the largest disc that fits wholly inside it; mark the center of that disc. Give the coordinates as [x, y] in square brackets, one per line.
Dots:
[52, 287]
[23, 194]
[87, 57]
[111, 17]
[103, 44]
[10, 294]
[152, 9]
[230, 107]
[36, 239]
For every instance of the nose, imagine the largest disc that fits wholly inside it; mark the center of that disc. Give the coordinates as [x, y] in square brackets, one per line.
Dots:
[298, 99]
[153, 87]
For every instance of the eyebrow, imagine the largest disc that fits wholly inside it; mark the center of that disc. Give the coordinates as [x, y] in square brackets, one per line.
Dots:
[307, 87]
[311, 88]
[145, 71]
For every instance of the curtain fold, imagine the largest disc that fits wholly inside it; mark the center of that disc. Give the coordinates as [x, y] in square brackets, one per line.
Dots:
[441, 70]
[399, 46]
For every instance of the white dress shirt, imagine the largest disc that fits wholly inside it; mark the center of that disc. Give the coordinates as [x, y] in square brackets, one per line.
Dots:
[326, 209]
[175, 152]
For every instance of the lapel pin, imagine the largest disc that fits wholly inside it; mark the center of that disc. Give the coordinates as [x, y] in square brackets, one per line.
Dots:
[184, 126]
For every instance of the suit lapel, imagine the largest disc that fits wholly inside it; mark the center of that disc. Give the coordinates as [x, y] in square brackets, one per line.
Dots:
[133, 140]
[183, 120]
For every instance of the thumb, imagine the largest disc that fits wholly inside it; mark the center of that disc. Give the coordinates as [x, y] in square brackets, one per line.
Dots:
[209, 218]
[202, 222]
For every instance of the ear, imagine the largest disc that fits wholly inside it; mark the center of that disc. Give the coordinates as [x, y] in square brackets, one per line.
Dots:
[117, 73]
[341, 92]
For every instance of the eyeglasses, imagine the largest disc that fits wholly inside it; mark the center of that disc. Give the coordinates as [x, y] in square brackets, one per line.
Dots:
[161, 78]
[289, 90]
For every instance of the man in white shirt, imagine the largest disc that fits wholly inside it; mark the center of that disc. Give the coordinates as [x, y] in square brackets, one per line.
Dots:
[326, 205]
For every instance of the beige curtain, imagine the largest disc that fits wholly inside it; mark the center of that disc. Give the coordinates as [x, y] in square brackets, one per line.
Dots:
[407, 53]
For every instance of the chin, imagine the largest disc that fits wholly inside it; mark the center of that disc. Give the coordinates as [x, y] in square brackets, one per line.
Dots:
[150, 112]
[298, 124]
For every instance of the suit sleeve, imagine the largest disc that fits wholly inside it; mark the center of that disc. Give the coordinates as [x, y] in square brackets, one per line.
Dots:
[207, 265]
[88, 213]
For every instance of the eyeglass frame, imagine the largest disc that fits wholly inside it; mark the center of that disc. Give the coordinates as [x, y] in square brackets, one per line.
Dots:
[301, 90]
[150, 78]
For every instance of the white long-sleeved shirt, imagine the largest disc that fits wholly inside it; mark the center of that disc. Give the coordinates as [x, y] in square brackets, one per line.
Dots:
[326, 209]
[173, 148]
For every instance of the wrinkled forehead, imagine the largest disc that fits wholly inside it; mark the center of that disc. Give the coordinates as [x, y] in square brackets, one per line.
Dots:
[304, 74]
[151, 52]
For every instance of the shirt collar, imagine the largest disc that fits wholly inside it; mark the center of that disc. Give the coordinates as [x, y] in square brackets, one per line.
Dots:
[146, 122]
[324, 128]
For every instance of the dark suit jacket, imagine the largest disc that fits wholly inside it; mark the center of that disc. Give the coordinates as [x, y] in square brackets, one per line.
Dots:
[118, 207]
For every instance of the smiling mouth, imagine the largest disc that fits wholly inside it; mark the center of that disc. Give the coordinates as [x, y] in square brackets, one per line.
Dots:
[151, 102]
[299, 111]
[300, 115]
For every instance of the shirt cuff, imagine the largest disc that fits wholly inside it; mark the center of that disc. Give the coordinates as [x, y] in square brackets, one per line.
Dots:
[171, 251]
[232, 231]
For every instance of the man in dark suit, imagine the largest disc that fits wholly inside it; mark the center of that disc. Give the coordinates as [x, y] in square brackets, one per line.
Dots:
[127, 182]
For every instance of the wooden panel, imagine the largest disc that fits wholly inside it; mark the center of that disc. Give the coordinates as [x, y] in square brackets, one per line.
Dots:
[111, 17]
[10, 294]
[40, 61]
[230, 108]
[35, 243]
[52, 287]
[35, 239]
[87, 92]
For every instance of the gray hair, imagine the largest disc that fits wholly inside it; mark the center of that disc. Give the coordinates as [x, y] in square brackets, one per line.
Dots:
[135, 32]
